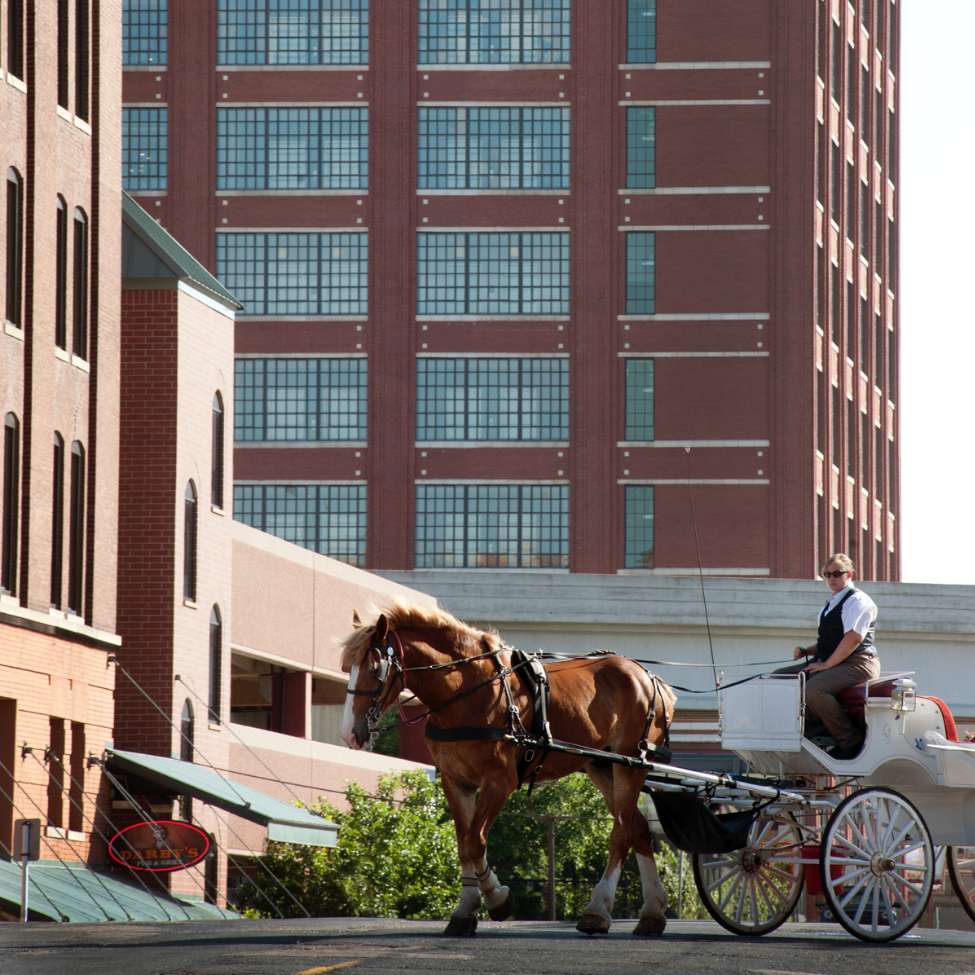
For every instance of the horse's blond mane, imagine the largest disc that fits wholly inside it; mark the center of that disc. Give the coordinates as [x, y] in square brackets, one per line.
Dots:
[404, 615]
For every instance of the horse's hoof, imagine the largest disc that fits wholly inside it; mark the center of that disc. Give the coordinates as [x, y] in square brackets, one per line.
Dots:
[593, 924]
[461, 927]
[651, 927]
[502, 911]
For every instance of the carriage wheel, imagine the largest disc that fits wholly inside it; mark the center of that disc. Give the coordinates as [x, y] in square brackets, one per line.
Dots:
[877, 864]
[753, 890]
[961, 867]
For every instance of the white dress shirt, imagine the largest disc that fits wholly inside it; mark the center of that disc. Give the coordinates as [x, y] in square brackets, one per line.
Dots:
[859, 611]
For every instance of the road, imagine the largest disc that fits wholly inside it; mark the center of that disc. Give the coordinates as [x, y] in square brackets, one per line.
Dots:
[359, 946]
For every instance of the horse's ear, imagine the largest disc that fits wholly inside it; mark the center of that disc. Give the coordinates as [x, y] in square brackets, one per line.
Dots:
[382, 628]
[356, 622]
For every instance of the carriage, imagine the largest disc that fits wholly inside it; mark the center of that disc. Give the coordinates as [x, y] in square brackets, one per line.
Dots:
[870, 833]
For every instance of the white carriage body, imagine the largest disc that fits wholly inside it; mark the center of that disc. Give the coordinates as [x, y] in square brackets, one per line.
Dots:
[762, 721]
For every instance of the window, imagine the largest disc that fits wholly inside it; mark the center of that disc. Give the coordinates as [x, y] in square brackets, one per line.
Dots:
[851, 439]
[834, 183]
[501, 147]
[834, 324]
[216, 663]
[850, 198]
[15, 247]
[820, 289]
[76, 790]
[82, 53]
[216, 451]
[891, 147]
[640, 273]
[15, 38]
[489, 526]
[293, 32]
[292, 148]
[878, 352]
[864, 103]
[61, 277]
[641, 147]
[508, 273]
[492, 399]
[63, 53]
[851, 84]
[498, 32]
[850, 317]
[55, 773]
[11, 504]
[820, 163]
[79, 342]
[639, 526]
[641, 31]
[144, 32]
[295, 273]
[314, 400]
[863, 350]
[190, 519]
[835, 423]
[187, 743]
[57, 521]
[864, 214]
[834, 63]
[639, 400]
[326, 518]
[145, 148]
[76, 530]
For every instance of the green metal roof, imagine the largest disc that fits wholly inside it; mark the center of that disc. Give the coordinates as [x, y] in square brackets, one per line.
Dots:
[285, 822]
[149, 251]
[75, 892]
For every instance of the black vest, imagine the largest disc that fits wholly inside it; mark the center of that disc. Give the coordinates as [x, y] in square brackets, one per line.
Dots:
[831, 631]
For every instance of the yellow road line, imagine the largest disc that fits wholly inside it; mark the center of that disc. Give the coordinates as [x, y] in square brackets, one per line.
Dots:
[322, 969]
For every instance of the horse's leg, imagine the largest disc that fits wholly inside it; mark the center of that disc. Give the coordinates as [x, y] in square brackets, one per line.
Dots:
[598, 914]
[474, 811]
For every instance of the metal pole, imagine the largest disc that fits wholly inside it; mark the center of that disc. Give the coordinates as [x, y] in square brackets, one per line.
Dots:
[551, 869]
[680, 885]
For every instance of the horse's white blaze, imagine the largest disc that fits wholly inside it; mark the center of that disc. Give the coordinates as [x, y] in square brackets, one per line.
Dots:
[654, 895]
[604, 893]
[348, 717]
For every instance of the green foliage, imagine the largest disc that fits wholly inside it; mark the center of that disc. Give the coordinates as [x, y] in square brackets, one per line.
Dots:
[397, 856]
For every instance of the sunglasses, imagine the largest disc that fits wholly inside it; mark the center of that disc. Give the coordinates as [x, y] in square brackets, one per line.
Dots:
[835, 575]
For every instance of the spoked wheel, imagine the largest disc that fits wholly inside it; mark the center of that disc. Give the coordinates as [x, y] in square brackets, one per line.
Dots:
[961, 866]
[877, 864]
[754, 890]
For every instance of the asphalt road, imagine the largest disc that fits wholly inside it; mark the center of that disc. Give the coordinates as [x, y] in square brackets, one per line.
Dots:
[365, 946]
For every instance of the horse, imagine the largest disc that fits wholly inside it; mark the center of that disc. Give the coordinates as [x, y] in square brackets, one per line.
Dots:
[463, 675]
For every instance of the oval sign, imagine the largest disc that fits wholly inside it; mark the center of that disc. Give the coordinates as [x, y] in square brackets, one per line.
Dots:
[159, 845]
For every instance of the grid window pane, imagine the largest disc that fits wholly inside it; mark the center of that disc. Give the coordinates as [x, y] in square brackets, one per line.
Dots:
[641, 147]
[327, 518]
[292, 148]
[639, 527]
[144, 31]
[640, 273]
[492, 399]
[639, 399]
[300, 400]
[493, 273]
[484, 526]
[285, 274]
[493, 148]
[145, 148]
[641, 31]
[293, 31]
[495, 31]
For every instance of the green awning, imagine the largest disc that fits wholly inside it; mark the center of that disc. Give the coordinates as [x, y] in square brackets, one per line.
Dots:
[74, 892]
[284, 822]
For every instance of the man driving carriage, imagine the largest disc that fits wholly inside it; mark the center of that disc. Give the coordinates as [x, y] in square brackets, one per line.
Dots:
[843, 655]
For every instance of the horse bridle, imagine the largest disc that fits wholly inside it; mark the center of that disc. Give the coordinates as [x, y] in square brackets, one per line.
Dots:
[390, 663]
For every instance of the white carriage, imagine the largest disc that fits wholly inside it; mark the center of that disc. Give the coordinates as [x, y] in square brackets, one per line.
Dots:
[870, 830]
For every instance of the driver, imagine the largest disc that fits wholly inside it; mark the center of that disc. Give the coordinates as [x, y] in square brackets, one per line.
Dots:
[843, 655]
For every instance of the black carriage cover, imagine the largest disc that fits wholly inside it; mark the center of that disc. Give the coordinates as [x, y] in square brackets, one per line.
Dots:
[692, 827]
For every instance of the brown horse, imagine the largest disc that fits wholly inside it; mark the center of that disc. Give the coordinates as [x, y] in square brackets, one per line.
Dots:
[464, 677]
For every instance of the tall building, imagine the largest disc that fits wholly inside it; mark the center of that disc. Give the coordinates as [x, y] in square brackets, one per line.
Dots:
[590, 285]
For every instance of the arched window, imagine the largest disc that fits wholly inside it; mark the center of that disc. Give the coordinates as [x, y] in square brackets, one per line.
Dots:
[11, 504]
[216, 662]
[79, 343]
[15, 248]
[61, 278]
[187, 742]
[189, 542]
[216, 453]
[57, 520]
[76, 530]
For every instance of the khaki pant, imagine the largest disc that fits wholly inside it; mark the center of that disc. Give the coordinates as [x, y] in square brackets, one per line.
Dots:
[823, 686]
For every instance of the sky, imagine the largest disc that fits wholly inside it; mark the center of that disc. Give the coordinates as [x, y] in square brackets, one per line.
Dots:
[937, 314]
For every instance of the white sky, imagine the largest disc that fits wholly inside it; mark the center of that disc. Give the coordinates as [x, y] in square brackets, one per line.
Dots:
[937, 237]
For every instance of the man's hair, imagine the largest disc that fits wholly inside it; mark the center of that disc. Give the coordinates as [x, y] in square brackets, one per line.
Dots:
[840, 559]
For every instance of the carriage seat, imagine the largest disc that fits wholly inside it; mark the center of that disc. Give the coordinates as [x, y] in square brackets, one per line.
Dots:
[854, 700]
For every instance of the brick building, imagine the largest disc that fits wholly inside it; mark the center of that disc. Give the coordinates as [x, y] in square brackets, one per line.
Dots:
[60, 149]
[575, 284]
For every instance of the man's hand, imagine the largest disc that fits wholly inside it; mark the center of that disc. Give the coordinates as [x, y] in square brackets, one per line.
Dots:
[799, 652]
[816, 666]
